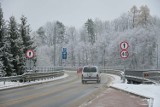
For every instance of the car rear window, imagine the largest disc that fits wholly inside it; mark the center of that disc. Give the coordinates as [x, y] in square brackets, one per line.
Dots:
[89, 69]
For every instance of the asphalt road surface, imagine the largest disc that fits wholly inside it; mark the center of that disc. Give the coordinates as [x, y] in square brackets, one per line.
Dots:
[67, 92]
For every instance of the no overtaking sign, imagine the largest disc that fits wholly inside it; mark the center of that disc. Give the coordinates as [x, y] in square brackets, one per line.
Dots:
[30, 54]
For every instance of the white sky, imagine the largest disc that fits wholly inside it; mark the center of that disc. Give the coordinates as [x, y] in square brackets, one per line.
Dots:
[72, 12]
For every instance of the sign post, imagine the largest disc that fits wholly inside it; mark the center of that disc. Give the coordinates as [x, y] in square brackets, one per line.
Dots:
[124, 52]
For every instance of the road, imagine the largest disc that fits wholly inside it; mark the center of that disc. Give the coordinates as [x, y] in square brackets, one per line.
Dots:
[68, 92]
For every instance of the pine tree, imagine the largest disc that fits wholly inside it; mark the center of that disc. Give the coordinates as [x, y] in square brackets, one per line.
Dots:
[5, 52]
[91, 31]
[25, 34]
[1, 38]
[7, 57]
[26, 39]
[16, 47]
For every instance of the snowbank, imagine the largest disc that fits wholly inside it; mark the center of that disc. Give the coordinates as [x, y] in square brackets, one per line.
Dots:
[151, 91]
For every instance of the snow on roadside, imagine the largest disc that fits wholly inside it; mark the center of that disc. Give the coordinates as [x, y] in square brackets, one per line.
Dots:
[17, 84]
[152, 91]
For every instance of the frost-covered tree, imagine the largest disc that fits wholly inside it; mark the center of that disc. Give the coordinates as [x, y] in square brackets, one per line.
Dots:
[27, 42]
[134, 12]
[24, 30]
[91, 31]
[16, 46]
[5, 46]
[42, 39]
[71, 33]
[2, 34]
[7, 57]
[59, 31]
[144, 16]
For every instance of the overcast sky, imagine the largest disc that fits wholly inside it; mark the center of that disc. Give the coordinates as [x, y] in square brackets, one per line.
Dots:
[72, 12]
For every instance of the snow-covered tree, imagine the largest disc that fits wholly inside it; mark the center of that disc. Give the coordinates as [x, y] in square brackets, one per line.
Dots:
[71, 33]
[59, 31]
[5, 48]
[16, 46]
[27, 42]
[42, 39]
[134, 12]
[90, 27]
[144, 16]
[24, 30]
[2, 34]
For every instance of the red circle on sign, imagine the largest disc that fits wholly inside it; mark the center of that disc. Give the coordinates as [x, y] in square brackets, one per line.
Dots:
[124, 56]
[126, 43]
[30, 54]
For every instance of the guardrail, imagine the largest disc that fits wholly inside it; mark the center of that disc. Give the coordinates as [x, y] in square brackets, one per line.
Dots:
[34, 75]
[140, 79]
[134, 78]
[143, 76]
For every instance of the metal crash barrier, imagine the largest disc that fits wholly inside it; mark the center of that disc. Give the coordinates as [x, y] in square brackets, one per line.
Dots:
[38, 73]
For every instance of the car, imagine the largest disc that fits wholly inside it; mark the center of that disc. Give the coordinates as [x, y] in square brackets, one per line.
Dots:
[79, 70]
[90, 73]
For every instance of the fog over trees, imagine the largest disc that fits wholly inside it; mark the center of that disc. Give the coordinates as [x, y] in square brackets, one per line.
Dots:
[96, 43]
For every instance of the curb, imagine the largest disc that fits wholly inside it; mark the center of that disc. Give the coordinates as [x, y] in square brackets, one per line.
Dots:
[150, 102]
[32, 84]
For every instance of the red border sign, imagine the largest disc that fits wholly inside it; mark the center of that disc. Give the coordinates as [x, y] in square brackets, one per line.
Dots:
[124, 55]
[30, 54]
[124, 45]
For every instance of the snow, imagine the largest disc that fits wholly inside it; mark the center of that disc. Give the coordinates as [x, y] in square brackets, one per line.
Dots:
[150, 91]
[18, 84]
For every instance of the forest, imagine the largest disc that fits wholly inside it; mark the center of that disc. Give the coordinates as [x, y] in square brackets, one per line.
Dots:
[97, 42]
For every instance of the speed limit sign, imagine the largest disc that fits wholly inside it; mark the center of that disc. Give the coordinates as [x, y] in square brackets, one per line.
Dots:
[124, 54]
[30, 54]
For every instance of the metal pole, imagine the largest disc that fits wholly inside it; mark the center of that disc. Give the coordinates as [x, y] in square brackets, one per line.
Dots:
[157, 56]
[30, 63]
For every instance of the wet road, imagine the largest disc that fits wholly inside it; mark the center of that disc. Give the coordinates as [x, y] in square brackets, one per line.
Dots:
[68, 92]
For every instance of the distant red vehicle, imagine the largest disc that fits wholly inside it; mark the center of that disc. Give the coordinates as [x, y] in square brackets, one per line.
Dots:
[79, 70]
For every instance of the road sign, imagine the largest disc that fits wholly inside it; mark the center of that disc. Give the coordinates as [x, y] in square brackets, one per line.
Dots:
[124, 54]
[124, 45]
[64, 55]
[30, 54]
